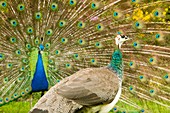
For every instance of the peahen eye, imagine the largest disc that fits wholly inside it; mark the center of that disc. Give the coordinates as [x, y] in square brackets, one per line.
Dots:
[123, 36]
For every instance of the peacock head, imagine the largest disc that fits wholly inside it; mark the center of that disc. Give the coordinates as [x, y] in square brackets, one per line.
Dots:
[41, 47]
[120, 39]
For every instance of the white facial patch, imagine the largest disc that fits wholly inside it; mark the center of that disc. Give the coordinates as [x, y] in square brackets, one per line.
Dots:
[120, 39]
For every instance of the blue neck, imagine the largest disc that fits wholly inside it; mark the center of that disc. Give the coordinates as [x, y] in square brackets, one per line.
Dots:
[116, 63]
[39, 81]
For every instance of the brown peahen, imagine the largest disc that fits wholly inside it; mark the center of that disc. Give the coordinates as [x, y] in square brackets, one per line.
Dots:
[44, 41]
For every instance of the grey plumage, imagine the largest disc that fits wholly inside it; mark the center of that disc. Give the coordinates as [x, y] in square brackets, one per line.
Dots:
[54, 103]
[85, 87]
[89, 86]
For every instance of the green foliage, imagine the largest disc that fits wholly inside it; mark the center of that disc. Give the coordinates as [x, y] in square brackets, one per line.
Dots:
[22, 105]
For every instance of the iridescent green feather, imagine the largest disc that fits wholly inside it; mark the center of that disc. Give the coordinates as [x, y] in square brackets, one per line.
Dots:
[33, 61]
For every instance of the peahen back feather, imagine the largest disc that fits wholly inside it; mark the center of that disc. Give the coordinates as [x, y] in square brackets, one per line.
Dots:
[77, 34]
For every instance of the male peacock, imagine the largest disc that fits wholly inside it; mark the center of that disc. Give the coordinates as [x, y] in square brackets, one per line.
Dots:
[44, 41]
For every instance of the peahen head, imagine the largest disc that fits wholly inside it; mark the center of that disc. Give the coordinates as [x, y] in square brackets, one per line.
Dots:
[120, 39]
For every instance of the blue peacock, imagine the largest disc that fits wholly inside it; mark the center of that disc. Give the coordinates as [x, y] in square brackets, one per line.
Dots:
[45, 41]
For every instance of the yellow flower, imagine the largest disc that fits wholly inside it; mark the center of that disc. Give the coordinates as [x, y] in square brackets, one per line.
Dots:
[137, 14]
[163, 20]
[146, 18]
[164, 13]
[166, 9]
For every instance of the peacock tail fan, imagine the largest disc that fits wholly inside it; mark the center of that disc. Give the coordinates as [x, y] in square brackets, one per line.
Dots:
[78, 34]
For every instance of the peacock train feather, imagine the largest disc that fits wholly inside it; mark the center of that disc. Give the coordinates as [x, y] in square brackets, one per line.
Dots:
[44, 41]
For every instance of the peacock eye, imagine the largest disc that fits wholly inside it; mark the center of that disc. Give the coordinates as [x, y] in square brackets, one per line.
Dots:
[54, 6]
[20, 7]
[38, 16]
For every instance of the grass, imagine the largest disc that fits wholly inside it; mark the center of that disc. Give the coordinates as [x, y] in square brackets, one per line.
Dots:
[16, 107]
[22, 105]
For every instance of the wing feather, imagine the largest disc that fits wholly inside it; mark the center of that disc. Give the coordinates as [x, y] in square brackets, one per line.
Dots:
[90, 86]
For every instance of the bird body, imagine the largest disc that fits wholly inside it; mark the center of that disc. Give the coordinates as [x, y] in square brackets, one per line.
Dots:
[39, 81]
[45, 41]
[89, 86]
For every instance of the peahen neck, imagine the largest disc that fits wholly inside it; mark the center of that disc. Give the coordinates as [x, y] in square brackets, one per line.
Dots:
[39, 82]
[116, 63]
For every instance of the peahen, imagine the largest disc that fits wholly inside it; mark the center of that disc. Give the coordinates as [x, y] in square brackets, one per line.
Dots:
[44, 41]
[87, 87]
